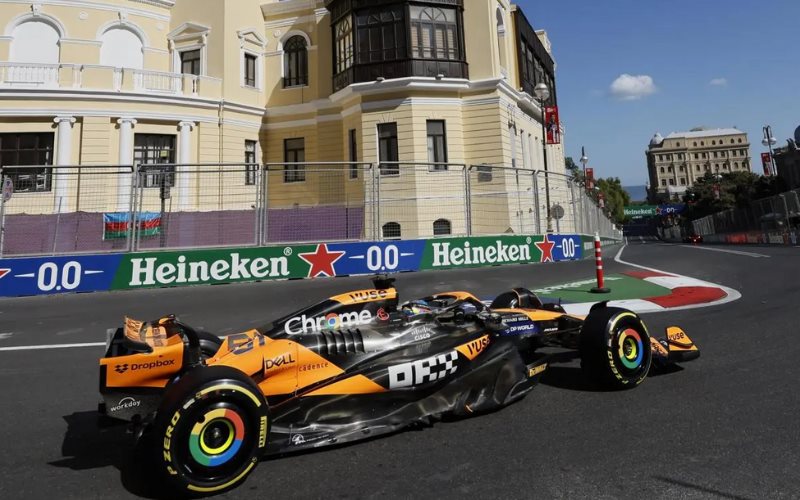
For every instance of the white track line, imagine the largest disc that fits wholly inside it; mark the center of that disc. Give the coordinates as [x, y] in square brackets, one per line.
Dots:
[733, 295]
[52, 346]
[734, 252]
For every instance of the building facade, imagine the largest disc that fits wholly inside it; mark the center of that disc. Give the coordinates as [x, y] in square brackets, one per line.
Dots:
[405, 91]
[676, 161]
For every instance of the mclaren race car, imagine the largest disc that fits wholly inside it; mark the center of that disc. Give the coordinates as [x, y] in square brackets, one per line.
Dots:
[351, 367]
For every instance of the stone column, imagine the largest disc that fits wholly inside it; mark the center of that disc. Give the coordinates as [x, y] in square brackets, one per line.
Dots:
[124, 182]
[184, 157]
[63, 157]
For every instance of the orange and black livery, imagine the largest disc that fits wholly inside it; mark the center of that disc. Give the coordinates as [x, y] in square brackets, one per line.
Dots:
[353, 366]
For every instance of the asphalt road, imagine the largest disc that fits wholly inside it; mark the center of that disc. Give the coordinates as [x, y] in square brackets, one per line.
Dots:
[726, 426]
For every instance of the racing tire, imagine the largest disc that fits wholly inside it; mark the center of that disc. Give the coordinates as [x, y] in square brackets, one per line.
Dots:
[209, 344]
[210, 431]
[615, 348]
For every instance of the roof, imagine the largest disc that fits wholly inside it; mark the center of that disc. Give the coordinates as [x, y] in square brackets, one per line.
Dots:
[705, 133]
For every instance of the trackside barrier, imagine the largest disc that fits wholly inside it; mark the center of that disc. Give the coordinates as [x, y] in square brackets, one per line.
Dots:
[94, 273]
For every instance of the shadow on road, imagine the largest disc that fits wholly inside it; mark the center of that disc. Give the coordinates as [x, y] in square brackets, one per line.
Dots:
[564, 372]
[88, 445]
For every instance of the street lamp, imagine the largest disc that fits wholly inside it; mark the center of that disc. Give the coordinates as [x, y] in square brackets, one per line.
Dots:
[770, 141]
[584, 161]
[542, 93]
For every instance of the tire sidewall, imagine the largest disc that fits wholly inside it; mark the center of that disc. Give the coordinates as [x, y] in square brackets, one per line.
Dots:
[196, 394]
[600, 347]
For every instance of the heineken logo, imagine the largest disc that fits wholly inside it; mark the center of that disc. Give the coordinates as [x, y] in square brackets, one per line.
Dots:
[152, 271]
[471, 254]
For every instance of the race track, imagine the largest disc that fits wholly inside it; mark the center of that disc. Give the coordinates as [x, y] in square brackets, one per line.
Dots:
[726, 426]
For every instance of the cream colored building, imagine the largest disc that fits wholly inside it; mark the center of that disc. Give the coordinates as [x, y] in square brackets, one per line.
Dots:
[122, 82]
[676, 161]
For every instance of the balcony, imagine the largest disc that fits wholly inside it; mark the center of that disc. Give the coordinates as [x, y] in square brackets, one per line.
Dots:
[90, 77]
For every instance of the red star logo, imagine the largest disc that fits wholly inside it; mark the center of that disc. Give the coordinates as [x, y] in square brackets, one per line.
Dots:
[3, 272]
[322, 261]
[546, 246]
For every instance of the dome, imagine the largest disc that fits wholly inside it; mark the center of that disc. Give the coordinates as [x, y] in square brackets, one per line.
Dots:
[657, 140]
[797, 135]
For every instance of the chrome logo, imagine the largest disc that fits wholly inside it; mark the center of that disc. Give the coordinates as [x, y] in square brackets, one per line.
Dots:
[631, 349]
[217, 437]
[332, 322]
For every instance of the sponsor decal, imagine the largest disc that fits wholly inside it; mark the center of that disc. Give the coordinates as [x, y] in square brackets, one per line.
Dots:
[421, 333]
[125, 404]
[279, 361]
[242, 343]
[153, 271]
[383, 315]
[298, 439]
[480, 251]
[321, 261]
[658, 348]
[423, 371]
[536, 370]
[676, 336]
[313, 366]
[262, 432]
[3, 272]
[122, 368]
[368, 295]
[333, 321]
[472, 349]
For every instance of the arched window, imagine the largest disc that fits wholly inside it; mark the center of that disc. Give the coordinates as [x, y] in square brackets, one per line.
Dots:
[121, 48]
[295, 62]
[501, 35]
[434, 33]
[442, 227]
[35, 42]
[392, 231]
[344, 45]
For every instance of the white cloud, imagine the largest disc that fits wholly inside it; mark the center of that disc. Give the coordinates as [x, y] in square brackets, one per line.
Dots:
[718, 82]
[633, 87]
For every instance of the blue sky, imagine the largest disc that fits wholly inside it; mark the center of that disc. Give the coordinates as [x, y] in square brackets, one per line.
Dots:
[713, 63]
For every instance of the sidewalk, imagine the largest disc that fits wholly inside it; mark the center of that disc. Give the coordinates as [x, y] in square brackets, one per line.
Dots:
[640, 291]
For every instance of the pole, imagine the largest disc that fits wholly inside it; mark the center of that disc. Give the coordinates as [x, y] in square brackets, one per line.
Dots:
[3, 180]
[598, 257]
[546, 175]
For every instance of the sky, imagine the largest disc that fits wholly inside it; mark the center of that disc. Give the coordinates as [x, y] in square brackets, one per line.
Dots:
[627, 69]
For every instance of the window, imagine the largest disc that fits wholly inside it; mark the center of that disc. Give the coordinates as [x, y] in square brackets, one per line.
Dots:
[250, 70]
[663, 182]
[677, 144]
[27, 150]
[353, 143]
[190, 62]
[683, 181]
[392, 231]
[434, 33]
[121, 48]
[695, 144]
[733, 142]
[683, 169]
[295, 62]
[713, 143]
[36, 42]
[702, 143]
[344, 45]
[672, 182]
[381, 34]
[387, 146]
[740, 140]
[696, 156]
[715, 154]
[669, 169]
[151, 150]
[437, 144]
[736, 165]
[697, 168]
[251, 169]
[442, 227]
[662, 170]
[294, 152]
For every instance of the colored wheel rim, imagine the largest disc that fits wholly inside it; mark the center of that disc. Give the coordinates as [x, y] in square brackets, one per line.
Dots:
[631, 349]
[216, 437]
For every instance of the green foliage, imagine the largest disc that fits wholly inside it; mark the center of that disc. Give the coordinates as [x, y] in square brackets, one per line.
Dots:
[616, 198]
[737, 190]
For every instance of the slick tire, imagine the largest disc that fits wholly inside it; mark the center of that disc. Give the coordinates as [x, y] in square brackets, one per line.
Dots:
[210, 431]
[209, 344]
[615, 348]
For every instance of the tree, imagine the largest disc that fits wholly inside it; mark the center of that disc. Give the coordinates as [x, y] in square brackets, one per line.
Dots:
[616, 198]
[736, 190]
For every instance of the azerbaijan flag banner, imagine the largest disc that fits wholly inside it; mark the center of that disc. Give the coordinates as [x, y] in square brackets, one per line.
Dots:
[117, 225]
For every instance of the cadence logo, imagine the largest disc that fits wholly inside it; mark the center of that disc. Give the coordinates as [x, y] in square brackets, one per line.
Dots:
[475, 253]
[152, 271]
[333, 321]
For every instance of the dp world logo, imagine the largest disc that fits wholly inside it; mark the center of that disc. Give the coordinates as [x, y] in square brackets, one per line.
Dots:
[121, 368]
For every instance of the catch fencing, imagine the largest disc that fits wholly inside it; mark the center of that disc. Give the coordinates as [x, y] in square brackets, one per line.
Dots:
[65, 210]
[770, 218]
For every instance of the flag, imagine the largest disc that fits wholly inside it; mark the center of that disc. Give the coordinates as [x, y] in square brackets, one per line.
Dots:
[589, 178]
[117, 225]
[766, 160]
[553, 125]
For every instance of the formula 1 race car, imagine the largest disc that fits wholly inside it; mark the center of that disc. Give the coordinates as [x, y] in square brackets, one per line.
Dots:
[351, 367]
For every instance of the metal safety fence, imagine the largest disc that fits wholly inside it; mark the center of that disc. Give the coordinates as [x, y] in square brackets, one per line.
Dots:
[776, 215]
[109, 208]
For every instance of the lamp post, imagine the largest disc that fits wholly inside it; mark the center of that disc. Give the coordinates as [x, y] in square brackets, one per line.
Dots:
[584, 161]
[542, 93]
[770, 141]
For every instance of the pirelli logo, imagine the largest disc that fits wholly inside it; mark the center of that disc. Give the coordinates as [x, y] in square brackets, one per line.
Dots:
[536, 370]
